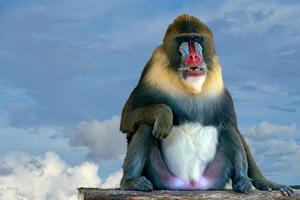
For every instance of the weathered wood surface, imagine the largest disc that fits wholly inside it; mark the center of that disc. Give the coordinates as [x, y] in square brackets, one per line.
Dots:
[117, 194]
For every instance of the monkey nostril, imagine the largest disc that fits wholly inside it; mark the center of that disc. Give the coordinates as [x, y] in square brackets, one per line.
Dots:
[193, 57]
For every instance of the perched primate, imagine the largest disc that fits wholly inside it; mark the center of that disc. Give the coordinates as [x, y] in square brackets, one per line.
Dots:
[180, 121]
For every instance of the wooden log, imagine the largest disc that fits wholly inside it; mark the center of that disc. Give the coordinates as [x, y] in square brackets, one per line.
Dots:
[117, 194]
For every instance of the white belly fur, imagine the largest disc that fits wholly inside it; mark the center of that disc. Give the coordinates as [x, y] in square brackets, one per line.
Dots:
[189, 148]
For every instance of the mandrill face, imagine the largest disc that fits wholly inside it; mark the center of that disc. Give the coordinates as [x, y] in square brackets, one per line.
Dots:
[192, 67]
[186, 62]
[192, 63]
[189, 46]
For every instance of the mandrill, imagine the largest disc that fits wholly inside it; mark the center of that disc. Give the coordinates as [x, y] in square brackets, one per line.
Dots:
[180, 121]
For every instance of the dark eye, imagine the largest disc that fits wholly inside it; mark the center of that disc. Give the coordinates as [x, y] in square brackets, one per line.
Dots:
[198, 39]
[179, 40]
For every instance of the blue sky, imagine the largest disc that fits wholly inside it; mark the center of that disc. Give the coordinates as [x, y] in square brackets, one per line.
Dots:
[67, 67]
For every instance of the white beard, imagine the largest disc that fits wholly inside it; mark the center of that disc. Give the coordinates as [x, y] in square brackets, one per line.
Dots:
[196, 81]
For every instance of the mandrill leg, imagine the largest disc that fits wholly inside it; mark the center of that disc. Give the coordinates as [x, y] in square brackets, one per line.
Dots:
[137, 153]
[233, 147]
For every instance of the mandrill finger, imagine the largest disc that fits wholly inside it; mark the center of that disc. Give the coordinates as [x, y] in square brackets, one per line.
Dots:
[164, 135]
[144, 184]
[161, 137]
[160, 134]
[285, 191]
[290, 193]
[289, 190]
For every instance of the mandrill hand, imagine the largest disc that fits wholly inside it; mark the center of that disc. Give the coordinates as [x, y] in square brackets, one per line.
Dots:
[163, 123]
[160, 116]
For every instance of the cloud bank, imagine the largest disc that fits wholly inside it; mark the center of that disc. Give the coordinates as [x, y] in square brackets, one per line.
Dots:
[103, 139]
[268, 129]
[48, 177]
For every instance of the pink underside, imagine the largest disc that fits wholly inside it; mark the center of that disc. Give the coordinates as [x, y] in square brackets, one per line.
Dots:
[207, 181]
[202, 184]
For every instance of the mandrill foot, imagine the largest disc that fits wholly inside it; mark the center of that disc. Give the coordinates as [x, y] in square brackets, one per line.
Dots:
[269, 186]
[141, 184]
[241, 184]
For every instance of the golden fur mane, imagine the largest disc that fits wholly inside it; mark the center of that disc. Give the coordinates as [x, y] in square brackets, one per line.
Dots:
[161, 76]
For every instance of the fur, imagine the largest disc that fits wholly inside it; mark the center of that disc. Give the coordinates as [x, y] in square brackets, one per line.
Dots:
[162, 77]
[188, 150]
[164, 105]
[196, 82]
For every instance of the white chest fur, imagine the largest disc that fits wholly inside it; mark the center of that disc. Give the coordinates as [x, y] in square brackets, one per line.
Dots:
[189, 148]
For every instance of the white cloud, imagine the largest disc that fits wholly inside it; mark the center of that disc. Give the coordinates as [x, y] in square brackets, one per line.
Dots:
[24, 176]
[113, 180]
[102, 138]
[266, 129]
[256, 16]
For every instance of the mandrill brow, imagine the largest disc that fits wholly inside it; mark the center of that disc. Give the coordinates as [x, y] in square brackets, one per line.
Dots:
[181, 124]
[189, 37]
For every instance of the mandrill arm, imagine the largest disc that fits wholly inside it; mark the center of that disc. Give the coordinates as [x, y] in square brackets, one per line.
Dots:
[159, 116]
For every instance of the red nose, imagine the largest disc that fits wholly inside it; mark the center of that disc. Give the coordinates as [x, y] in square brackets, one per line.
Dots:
[193, 58]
